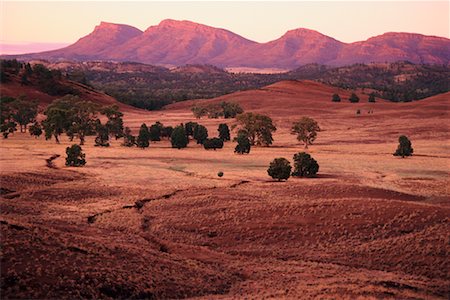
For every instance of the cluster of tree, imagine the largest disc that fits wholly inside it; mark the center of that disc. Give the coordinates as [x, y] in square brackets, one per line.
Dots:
[259, 128]
[217, 110]
[17, 111]
[353, 98]
[304, 166]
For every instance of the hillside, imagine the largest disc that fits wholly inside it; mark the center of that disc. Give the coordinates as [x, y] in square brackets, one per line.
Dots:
[41, 84]
[175, 43]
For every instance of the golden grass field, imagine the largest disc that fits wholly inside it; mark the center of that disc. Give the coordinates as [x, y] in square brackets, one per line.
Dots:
[371, 225]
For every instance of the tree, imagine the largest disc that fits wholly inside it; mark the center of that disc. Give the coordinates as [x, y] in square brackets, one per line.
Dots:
[199, 111]
[83, 118]
[155, 132]
[230, 109]
[259, 128]
[59, 115]
[189, 127]
[143, 137]
[23, 112]
[7, 123]
[404, 148]
[280, 169]
[200, 134]
[224, 132]
[166, 131]
[336, 98]
[102, 138]
[353, 98]
[75, 156]
[305, 165]
[243, 141]
[115, 120]
[213, 143]
[35, 129]
[129, 140]
[372, 98]
[179, 139]
[306, 130]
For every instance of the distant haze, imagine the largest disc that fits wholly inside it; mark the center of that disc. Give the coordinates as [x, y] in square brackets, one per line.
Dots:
[53, 23]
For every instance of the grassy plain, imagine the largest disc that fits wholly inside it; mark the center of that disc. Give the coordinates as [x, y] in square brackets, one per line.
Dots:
[160, 223]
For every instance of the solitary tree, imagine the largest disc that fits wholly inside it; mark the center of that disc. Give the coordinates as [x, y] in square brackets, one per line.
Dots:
[224, 132]
[83, 119]
[75, 156]
[306, 130]
[259, 128]
[353, 98]
[199, 111]
[404, 147]
[129, 140]
[336, 98]
[213, 143]
[179, 139]
[243, 141]
[200, 134]
[305, 165]
[280, 169]
[35, 129]
[143, 137]
[231, 109]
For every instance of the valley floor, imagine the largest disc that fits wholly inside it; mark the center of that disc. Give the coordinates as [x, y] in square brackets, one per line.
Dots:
[160, 223]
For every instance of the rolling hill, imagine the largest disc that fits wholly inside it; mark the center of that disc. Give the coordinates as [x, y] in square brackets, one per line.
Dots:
[175, 43]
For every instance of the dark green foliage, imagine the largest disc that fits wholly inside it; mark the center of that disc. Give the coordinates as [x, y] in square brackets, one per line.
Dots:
[353, 98]
[102, 138]
[404, 148]
[59, 114]
[305, 165]
[259, 128]
[143, 137]
[129, 140]
[23, 112]
[75, 156]
[213, 143]
[220, 174]
[280, 169]
[306, 130]
[35, 129]
[166, 131]
[115, 121]
[243, 143]
[179, 139]
[200, 134]
[49, 81]
[190, 127]
[230, 109]
[372, 98]
[336, 98]
[224, 132]
[7, 123]
[155, 131]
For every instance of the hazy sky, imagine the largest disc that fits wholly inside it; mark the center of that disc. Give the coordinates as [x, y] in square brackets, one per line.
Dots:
[65, 22]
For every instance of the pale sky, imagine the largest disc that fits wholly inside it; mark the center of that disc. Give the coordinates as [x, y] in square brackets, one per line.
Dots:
[59, 22]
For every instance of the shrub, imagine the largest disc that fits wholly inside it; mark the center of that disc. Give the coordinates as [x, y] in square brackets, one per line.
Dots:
[35, 129]
[306, 130]
[404, 148]
[179, 139]
[129, 140]
[143, 137]
[213, 143]
[353, 98]
[305, 165]
[200, 134]
[102, 138]
[280, 169]
[336, 98]
[220, 174]
[189, 127]
[372, 98]
[358, 111]
[244, 143]
[75, 156]
[155, 132]
[224, 132]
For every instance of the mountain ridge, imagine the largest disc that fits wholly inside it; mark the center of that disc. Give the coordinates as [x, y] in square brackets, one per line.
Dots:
[176, 43]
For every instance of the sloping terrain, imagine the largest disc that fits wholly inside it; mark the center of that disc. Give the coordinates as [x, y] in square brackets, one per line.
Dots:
[159, 223]
[175, 43]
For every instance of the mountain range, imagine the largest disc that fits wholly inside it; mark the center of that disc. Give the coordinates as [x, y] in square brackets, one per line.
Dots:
[175, 43]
